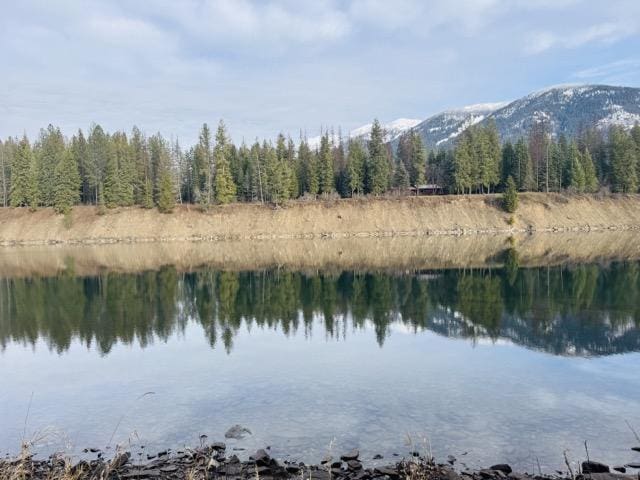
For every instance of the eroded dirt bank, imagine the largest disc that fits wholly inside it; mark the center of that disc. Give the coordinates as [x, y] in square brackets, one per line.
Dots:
[371, 217]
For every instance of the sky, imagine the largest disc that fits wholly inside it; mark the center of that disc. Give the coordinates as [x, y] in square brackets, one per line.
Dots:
[295, 66]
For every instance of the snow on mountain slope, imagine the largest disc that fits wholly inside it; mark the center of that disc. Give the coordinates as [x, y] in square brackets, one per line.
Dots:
[566, 109]
[392, 131]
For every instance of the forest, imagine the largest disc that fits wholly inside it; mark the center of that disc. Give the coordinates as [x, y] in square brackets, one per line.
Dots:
[120, 169]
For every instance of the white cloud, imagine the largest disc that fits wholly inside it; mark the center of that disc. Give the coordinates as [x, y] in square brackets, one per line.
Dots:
[602, 33]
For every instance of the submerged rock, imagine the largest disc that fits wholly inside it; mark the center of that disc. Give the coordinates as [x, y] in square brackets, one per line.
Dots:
[237, 432]
[352, 455]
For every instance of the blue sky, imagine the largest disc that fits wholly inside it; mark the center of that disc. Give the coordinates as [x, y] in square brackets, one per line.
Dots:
[271, 66]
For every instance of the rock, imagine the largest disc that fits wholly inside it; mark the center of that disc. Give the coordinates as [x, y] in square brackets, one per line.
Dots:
[292, 468]
[390, 472]
[451, 459]
[233, 459]
[220, 446]
[620, 469]
[336, 464]
[352, 455]
[608, 476]
[237, 432]
[633, 465]
[354, 465]
[261, 457]
[502, 467]
[326, 459]
[635, 449]
[594, 467]
[319, 475]
[377, 456]
[153, 473]
[169, 469]
[488, 474]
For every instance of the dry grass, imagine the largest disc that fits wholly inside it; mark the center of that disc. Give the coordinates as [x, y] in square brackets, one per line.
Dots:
[450, 215]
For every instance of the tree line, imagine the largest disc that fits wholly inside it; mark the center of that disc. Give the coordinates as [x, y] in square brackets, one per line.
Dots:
[120, 169]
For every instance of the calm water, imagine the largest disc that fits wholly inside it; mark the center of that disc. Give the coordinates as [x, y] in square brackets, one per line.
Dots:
[506, 364]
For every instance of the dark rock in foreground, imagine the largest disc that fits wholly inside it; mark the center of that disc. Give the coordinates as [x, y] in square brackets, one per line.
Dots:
[594, 467]
[211, 462]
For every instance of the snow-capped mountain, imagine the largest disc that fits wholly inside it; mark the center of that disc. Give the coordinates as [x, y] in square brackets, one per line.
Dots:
[566, 109]
[392, 131]
[444, 127]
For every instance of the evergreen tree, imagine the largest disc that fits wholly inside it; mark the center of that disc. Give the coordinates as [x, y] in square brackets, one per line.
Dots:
[166, 196]
[225, 186]
[462, 168]
[50, 150]
[326, 166]
[147, 194]
[22, 171]
[576, 172]
[377, 178]
[67, 183]
[510, 196]
[509, 162]
[356, 161]
[624, 175]
[590, 177]
[524, 178]
[401, 177]
[111, 181]
[277, 175]
[98, 155]
[419, 160]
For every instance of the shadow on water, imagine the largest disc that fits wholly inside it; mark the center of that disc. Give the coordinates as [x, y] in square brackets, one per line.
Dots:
[581, 310]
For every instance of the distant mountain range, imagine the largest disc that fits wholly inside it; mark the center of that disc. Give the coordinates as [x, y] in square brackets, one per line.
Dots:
[566, 109]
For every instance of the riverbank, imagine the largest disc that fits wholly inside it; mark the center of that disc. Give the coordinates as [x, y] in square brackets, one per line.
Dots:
[362, 217]
[390, 254]
[213, 461]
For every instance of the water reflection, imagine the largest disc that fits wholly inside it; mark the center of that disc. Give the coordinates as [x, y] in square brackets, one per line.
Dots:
[566, 310]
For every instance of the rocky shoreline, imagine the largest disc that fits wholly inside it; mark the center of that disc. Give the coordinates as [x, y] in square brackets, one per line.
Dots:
[213, 461]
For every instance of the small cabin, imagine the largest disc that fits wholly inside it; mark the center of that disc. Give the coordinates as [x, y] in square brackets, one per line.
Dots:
[426, 189]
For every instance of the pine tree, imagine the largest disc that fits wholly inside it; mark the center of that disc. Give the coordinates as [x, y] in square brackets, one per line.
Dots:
[111, 179]
[97, 158]
[490, 156]
[590, 177]
[401, 177]
[166, 196]
[326, 166]
[462, 169]
[225, 187]
[510, 196]
[508, 168]
[67, 183]
[50, 150]
[624, 175]
[419, 159]
[524, 179]
[147, 194]
[377, 180]
[356, 161]
[576, 172]
[21, 170]
[277, 175]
